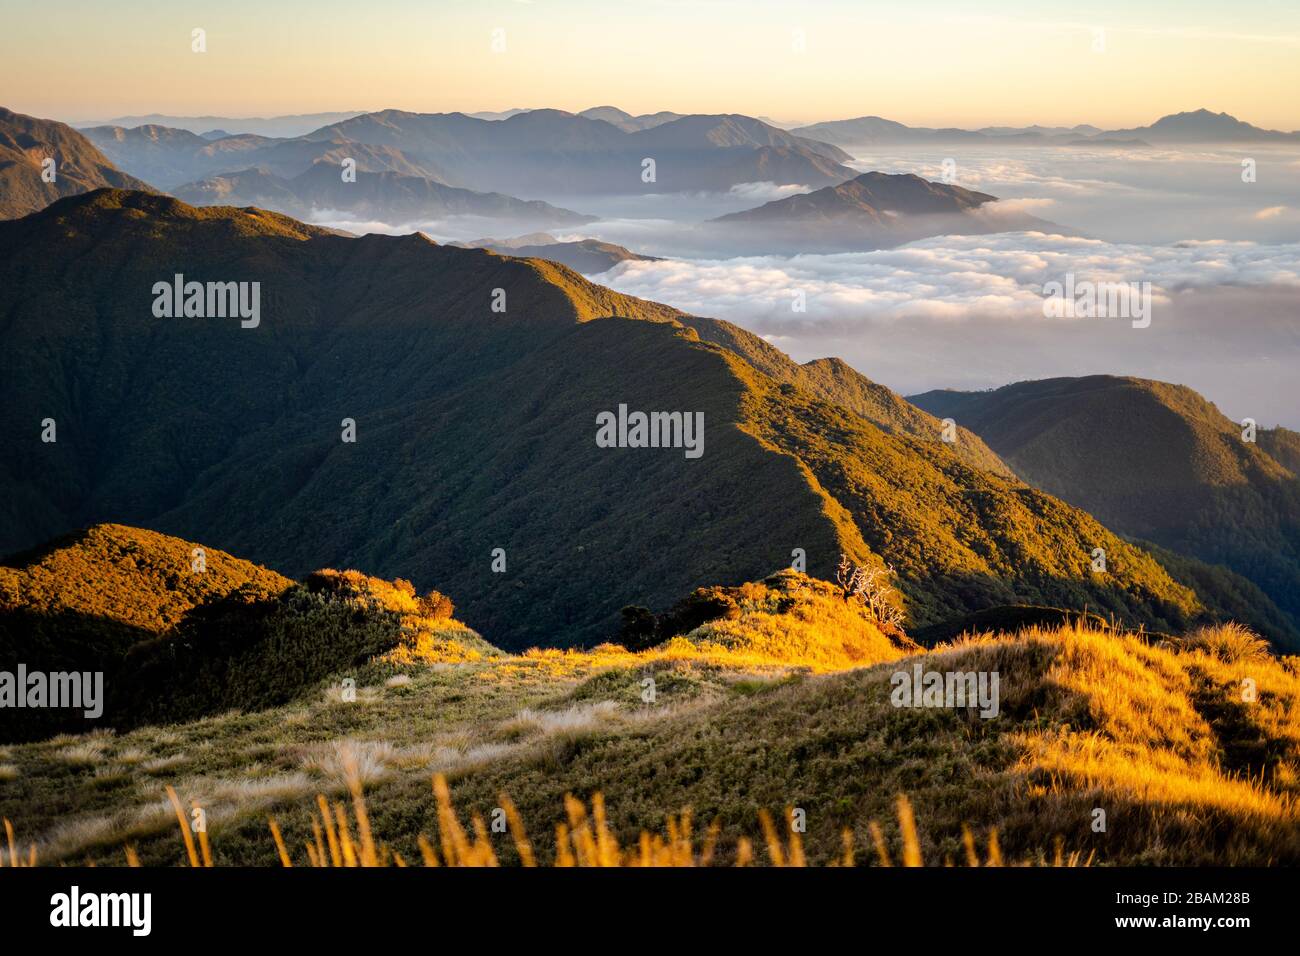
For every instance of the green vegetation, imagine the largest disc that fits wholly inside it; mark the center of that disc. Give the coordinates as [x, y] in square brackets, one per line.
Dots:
[475, 432]
[177, 643]
[1162, 465]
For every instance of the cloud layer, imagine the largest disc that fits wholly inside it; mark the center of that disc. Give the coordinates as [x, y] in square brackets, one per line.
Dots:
[967, 312]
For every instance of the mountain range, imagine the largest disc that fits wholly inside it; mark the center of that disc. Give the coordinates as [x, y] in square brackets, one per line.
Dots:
[385, 196]
[551, 152]
[274, 126]
[1197, 126]
[174, 157]
[1163, 465]
[472, 383]
[533, 152]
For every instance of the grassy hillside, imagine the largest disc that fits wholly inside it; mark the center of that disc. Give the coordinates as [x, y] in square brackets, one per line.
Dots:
[840, 384]
[476, 432]
[181, 631]
[784, 705]
[1164, 465]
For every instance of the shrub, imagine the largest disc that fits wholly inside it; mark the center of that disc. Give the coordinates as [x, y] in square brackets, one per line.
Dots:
[703, 605]
[436, 605]
[639, 628]
[249, 653]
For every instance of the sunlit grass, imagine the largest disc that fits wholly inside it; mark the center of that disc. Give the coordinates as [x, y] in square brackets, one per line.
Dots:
[1159, 737]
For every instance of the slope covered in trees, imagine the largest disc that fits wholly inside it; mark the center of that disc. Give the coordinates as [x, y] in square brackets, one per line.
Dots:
[475, 465]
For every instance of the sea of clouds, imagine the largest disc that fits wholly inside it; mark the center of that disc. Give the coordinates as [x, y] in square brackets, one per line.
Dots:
[1222, 256]
[967, 312]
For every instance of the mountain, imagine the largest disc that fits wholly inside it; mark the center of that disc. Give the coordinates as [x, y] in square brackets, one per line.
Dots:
[388, 196]
[871, 211]
[1199, 126]
[551, 152]
[1082, 130]
[874, 198]
[1203, 126]
[1110, 143]
[627, 122]
[588, 256]
[877, 131]
[1164, 465]
[27, 142]
[163, 153]
[83, 601]
[533, 152]
[476, 433]
[497, 114]
[275, 126]
[175, 157]
[835, 381]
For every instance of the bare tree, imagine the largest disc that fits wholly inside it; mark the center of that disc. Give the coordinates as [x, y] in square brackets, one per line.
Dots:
[871, 586]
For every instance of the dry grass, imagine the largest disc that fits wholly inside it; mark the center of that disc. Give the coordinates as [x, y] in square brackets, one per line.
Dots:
[1230, 643]
[585, 839]
[794, 619]
[341, 836]
[1160, 737]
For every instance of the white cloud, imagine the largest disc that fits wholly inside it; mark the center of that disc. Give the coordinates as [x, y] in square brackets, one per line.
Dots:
[951, 276]
[767, 191]
[967, 312]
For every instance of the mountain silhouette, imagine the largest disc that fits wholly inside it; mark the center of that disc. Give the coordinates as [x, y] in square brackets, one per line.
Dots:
[871, 211]
[1204, 126]
[386, 195]
[1197, 126]
[266, 126]
[551, 152]
[172, 157]
[626, 121]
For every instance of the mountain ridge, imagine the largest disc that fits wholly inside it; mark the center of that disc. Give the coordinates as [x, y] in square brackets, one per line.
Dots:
[26, 142]
[475, 432]
[378, 195]
[1193, 126]
[1189, 482]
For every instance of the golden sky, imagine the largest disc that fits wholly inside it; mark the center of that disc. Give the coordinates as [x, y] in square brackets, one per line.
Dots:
[1112, 64]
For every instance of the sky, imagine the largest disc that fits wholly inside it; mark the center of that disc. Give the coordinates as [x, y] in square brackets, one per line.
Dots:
[1112, 64]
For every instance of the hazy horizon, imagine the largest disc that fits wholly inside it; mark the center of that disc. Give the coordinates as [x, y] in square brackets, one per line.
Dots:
[1013, 64]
